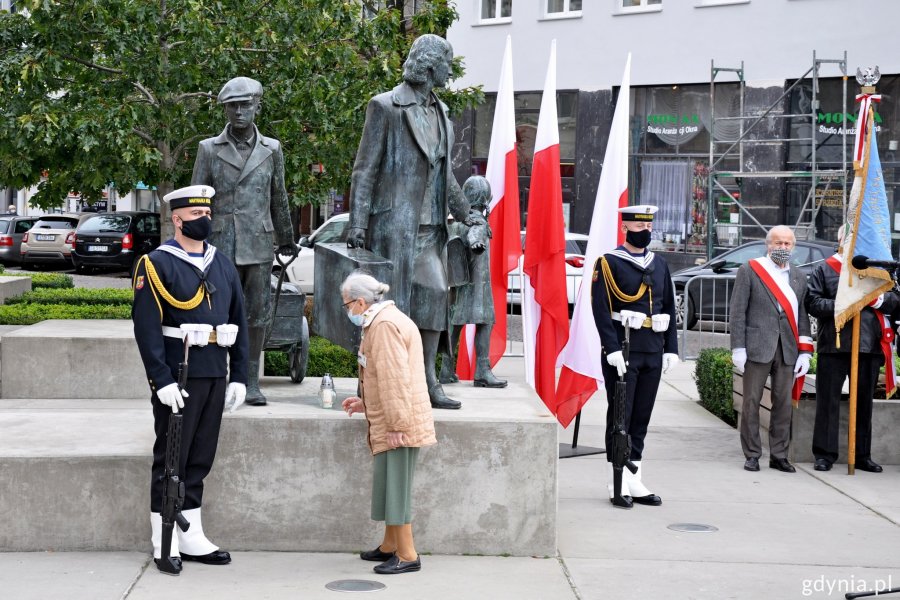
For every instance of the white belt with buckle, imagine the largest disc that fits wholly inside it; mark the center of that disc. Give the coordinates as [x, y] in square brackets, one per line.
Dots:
[648, 323]
[175, 332]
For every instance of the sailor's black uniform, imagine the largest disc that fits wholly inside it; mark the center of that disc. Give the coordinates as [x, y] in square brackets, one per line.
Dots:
[166, 293]
[629, 272]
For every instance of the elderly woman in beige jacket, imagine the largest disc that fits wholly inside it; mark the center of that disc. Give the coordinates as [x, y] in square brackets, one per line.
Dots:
[398, 410]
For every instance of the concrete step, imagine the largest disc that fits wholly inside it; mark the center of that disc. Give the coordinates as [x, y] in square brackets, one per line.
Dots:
[290, 476]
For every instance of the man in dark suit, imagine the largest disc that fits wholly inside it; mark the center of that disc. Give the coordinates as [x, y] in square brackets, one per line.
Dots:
[875, 349]
[250, 210]
[770, 336]
[401, 191]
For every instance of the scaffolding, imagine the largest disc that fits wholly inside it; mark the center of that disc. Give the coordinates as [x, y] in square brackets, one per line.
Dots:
[728, 168]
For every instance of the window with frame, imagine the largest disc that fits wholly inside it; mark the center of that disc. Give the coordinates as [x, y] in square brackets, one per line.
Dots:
[559, 8]
[493, 10]
[639, 5]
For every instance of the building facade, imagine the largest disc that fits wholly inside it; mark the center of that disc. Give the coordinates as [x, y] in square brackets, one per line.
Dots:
[764, 53]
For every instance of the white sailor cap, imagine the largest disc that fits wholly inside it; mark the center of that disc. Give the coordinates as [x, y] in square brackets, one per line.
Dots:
[192, 195]
[639, 212]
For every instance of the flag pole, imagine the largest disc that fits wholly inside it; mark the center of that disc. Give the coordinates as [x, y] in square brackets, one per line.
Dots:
[851, 415]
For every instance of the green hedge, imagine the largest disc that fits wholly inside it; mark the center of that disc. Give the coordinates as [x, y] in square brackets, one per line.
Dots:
[713, 375]
[82, 296]
[28, 314]
[51, 280]
[324, 357]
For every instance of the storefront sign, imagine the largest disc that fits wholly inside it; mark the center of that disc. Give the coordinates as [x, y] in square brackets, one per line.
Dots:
[673, 124]
[833, 122]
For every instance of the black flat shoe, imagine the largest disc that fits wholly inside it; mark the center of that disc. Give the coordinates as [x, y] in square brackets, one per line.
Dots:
[216, 557]
[395, 566]
[869, 465]
[648, 500]
[782, 465]
[822, 465]
[173, 568]
[623, 502]
[751, 464]
[376, 555]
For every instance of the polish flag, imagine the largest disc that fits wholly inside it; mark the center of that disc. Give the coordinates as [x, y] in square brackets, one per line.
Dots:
[506, 243]
[545, 307]
[582, 373]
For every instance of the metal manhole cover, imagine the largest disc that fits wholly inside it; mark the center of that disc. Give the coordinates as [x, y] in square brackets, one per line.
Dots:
[355, 585]
[693, 527]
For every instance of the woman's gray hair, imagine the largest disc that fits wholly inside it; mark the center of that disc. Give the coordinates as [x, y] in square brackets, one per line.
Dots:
[362, 285]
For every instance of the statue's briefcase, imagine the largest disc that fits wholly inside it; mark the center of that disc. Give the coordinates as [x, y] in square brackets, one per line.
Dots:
[333, 263]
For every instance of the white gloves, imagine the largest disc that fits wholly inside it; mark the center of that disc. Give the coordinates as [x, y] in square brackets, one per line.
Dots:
[617, 360]
[632, 319]
[801, 366]
[739, 359]
[234, 396]
[170, 395]
[669, 360]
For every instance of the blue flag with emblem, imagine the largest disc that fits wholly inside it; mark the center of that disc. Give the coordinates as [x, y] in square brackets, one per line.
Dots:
[869, 235]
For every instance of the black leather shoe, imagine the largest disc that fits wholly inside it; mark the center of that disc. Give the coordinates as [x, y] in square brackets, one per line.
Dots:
[822, 465]
[869, 465]
[174, 568]
[376, 555]
[623, 502]
[782, 465]
[395, 566]
[257, 401]
[751, 464]
[648, 500]
[216, 557]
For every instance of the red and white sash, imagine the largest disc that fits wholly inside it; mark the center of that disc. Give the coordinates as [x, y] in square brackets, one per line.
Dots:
[774, 281]
[887, 334]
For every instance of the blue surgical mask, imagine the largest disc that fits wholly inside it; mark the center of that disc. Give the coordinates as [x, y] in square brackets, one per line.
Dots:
[357, 320]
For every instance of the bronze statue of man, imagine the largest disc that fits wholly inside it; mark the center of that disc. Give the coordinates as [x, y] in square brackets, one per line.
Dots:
[250, 212]
[472, 302]
[402, 190]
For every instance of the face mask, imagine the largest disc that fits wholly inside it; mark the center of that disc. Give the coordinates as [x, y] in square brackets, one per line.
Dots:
[198, 229]
[780, 256]
[357, 320]
[638, 239]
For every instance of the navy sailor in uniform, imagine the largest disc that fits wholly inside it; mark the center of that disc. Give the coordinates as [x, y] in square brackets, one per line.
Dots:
[185, 281]
[631, 284]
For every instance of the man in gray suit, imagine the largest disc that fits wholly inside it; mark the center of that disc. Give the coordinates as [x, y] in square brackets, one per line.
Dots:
[770, 336]
[250, 211]
[401, 191]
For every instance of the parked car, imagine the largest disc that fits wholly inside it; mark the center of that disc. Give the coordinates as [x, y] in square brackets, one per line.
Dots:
[300, 271]
[115, 240]
[576, 246]
[709, 300]
[12, 230]
[49, 242]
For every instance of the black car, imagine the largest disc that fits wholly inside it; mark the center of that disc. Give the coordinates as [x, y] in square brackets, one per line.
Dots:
[709, 299]
[115, 240]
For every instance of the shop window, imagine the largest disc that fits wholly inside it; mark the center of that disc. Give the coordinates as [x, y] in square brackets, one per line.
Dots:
[496, 10]
[562, 8]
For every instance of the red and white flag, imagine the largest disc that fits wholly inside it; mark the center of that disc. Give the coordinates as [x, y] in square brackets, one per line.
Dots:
[582, 373]
[506, 244]
[545, 305]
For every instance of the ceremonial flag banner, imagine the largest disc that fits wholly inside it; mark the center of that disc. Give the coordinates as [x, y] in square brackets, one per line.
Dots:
[582, 373]
[545, 305]
[869, 235]
[506, 243]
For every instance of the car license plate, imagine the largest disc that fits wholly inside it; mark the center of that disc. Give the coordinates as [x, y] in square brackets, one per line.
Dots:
[45, 238]
[97, 248]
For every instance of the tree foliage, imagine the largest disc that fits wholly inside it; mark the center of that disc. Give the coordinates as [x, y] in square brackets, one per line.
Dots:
[99, 91]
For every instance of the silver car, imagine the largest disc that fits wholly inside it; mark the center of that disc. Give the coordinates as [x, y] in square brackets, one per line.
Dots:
[12, 229]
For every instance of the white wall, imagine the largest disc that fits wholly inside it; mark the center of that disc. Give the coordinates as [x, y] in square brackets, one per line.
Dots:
[774, 38]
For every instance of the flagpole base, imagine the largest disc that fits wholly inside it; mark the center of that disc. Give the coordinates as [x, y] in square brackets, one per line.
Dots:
[569, 451]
